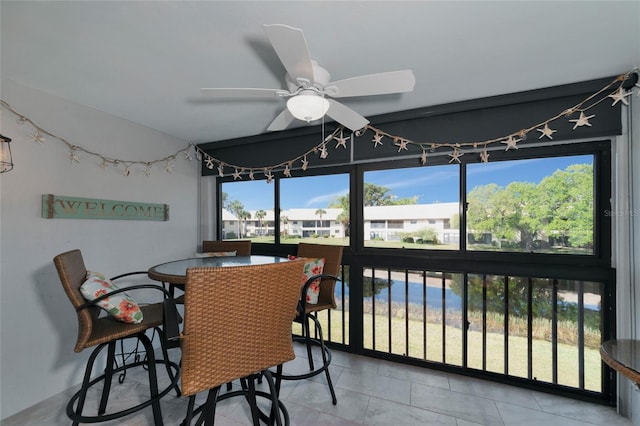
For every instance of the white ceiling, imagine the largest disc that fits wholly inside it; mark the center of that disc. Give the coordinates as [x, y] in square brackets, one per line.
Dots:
[145, 61]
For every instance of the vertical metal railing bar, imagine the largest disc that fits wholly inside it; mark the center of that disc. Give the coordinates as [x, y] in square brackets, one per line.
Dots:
[464, 327]
[444, 318]
[343, 314]
[424, 315]
[389, 316]
[581, 334]
[406, 312]
[554, 331]
[373, 308]
[484, 322]
[506, 324]
[530, 328]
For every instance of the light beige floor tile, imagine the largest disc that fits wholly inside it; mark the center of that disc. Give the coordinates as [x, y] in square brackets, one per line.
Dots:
[414, 374]
[374, 385]
[351, 405]
[455, 404]
[580, 410]
[383, 412]
[496, 391]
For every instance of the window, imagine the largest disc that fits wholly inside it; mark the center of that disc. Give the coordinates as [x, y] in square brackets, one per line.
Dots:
[415, 202]
[313, 207]
[247, 211]
[542, 205]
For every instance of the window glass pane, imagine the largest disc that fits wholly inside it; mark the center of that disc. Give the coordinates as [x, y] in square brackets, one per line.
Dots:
[247, 211]
[412, 208]
[540, 205]
[315, 209]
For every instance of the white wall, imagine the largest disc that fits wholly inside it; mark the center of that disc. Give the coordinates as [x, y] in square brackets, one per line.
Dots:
[634, 410]
[37, 324]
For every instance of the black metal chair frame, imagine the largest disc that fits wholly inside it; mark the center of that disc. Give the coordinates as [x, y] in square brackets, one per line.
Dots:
[303, 318]
[170, 333]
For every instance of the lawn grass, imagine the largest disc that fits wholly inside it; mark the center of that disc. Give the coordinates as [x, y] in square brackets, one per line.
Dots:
[567, 368]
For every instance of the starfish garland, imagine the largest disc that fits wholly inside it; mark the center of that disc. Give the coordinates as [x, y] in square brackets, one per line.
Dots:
[583, 120]
[511, 143]
[38, 138]
[323, 152]
[73, 155]
[342, 141]
[546, 131]
[377, 140]
[423, 157]
[455, 155]
[402, 144]
[619, 96]
[236, 174]
[484, 156]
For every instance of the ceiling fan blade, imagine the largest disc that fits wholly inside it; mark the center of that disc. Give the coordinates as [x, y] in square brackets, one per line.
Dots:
[372, 84]
[282, 121]
[243, 93]
[346, 116]
[291, 47]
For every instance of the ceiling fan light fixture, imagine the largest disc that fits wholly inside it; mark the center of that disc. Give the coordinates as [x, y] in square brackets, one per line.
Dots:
[308, 106]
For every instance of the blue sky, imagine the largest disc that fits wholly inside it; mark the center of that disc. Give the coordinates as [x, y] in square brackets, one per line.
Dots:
[430, 184]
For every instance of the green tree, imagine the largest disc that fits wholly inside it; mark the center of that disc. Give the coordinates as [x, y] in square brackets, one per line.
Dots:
[260, 214]
[320, 213]
[343, 217]
[224, 198]
[243, 217]
[285, 222]
[236, 207]
[560, 206]
[567, 200]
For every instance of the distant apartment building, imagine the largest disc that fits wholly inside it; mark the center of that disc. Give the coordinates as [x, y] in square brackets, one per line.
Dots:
[388, 223]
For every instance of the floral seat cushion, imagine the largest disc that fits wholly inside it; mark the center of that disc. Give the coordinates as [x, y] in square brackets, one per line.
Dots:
[120, 306]
[311, 267]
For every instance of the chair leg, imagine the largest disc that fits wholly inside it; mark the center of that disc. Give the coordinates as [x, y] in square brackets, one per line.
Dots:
[108, 376]
[72, 414]
[153, 379]
[274, 391]
[209, 412]
[306, 332]
[324, 359]
[189, 416]
[251, 398]
[167, 365]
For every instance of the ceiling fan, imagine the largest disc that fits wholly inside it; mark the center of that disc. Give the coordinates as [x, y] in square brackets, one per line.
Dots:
[309, 90]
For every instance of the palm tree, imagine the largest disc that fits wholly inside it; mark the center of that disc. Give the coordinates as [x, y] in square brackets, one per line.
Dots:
[260, 214]
[236, 207]
[285, 221]
[319, 212]
[244, 216]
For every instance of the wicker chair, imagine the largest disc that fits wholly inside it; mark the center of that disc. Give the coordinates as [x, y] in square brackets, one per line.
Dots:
[326, 300]
[242, 247]
[104, 332]
[237, 324]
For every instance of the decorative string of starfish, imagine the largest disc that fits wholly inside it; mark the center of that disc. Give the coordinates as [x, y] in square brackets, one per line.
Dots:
[619, 94]
[511, 141]
[40, 136]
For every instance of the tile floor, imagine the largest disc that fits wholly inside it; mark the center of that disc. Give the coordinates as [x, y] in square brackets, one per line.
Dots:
[370, 392]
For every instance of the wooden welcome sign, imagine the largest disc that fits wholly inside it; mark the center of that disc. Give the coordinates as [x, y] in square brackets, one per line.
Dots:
[60, 207]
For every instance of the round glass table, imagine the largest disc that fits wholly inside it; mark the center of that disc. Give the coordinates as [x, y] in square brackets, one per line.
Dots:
[175, 272]
[623, 355]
